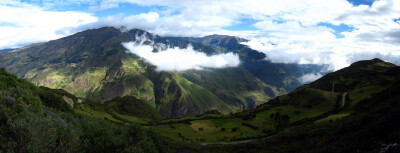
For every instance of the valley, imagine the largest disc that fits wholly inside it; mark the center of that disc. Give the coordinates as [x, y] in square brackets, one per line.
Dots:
[199, 76]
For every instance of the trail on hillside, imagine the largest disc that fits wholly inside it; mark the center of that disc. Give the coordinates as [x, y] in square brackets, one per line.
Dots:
[343, 99]
[233, 142]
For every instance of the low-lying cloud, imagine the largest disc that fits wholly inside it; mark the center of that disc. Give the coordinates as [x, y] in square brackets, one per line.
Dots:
[177, 59]
[337, 54]
[310, 77]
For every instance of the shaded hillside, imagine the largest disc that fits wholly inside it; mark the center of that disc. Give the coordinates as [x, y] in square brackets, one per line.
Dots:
[372, 127]
[6, 50]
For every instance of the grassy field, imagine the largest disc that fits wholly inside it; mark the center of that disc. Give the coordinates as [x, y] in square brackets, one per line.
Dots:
[264, 120]
[209, 130]
[204, 116]
[86, 110]
[363, 93]
[228, 129]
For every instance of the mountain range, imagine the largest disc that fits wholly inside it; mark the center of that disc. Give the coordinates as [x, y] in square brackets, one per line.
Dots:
[94, 65]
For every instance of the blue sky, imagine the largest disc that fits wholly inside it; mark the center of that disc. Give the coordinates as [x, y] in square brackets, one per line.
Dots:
[335, 32]
[126, 9]
[245, 24]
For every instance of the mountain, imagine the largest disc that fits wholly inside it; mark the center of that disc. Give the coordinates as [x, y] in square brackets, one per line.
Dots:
[93, 64]
[6, 50]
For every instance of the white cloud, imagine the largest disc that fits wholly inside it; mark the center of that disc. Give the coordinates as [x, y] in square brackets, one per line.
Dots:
[22, 23]
[103, 6]
[176, 59]
[310, 77]
[335, 53]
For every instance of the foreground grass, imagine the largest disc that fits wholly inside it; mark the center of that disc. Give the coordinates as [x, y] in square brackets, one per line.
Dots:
[210, 130]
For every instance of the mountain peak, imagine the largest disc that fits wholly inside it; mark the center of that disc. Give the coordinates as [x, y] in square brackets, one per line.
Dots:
[375, 63]
[102, 30]
[357, 74]
[225, 38]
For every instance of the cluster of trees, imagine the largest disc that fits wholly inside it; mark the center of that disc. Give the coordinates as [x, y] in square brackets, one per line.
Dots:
[281, 121]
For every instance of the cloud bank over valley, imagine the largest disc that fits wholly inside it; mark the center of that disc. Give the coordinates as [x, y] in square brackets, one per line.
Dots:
[179, 59]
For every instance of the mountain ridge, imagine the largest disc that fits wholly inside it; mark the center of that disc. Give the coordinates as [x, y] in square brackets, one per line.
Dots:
[93, 64]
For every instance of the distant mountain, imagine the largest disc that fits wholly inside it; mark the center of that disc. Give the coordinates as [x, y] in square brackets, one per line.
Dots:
[6, 50]
[93, 64]
[281, 75]
[223, 44]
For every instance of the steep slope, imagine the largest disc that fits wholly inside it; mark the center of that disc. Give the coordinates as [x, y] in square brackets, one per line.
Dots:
[177, 97]
[280, 75]
[235, 85]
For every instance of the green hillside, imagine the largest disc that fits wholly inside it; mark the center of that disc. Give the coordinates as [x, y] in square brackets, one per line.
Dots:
[34, 119]
[236, 86]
